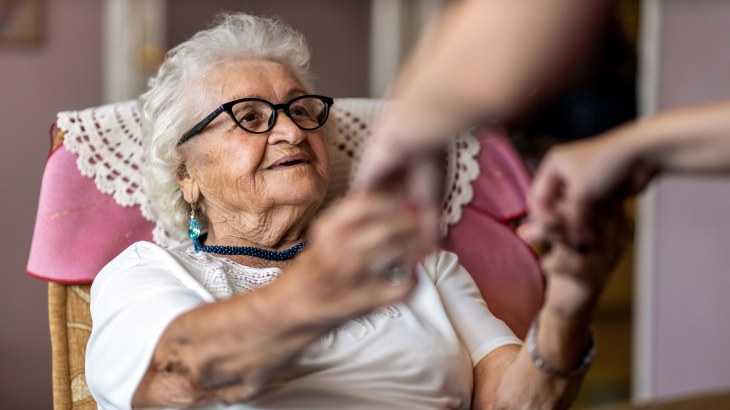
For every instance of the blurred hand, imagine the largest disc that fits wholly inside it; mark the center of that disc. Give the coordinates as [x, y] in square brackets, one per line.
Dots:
[576, 276]
[576, 179]
[413, 171]
[353, 235]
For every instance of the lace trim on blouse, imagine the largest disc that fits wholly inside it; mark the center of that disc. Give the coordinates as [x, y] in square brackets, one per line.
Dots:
[224, 278]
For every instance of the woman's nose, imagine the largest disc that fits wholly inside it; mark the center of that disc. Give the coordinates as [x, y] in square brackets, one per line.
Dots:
[286, 131]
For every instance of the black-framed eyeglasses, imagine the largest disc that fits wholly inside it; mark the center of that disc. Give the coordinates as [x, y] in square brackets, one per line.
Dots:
[258, 116]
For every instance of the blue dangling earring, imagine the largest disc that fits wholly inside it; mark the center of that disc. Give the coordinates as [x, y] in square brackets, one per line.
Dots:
[193, 227]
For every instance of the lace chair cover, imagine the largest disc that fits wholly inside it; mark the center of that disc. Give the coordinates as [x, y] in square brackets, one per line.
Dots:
[81, 225]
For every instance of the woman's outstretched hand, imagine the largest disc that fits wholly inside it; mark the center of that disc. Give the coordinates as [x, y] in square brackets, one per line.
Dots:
[509, 378]
[577, 276]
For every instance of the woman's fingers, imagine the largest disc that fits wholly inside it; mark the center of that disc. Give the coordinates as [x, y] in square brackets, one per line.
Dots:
[533, 235]
[564, 259]
[591, 264]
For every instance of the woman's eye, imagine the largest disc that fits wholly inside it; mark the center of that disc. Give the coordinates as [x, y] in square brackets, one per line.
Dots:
[249, 117]
[299, 112]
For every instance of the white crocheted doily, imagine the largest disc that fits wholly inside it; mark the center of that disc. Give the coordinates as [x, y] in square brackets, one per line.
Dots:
[108, 141]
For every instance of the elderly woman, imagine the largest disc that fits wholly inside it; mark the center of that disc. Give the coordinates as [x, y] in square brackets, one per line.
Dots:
[270, 310]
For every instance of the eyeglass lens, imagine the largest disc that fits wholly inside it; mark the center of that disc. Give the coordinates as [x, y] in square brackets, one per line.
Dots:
[256, 116]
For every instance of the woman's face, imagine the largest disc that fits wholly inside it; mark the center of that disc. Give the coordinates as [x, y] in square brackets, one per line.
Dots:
[238, 172]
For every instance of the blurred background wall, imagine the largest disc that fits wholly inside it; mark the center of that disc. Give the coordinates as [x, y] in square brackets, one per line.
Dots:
[682, 301]
[69, 69]
[61, 72]
[337, 32]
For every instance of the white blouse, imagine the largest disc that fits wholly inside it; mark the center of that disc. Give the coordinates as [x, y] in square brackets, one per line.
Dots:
[416, 354]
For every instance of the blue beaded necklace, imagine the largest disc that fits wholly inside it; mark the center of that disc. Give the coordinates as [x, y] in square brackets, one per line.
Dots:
[251, 251]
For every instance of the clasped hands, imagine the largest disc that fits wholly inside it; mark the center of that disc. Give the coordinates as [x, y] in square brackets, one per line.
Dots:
[579, 250]
[394, 215]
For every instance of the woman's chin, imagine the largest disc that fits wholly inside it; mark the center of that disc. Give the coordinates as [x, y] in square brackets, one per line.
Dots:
[301, 192]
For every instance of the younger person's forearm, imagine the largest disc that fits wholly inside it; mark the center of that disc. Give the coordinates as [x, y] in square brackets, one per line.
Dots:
[485, 60]
[692, 139]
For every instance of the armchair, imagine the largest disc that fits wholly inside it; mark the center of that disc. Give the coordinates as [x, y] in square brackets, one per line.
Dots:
[91, 208]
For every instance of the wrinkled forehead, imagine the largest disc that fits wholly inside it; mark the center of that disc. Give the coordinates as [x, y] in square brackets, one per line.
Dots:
[251, 79]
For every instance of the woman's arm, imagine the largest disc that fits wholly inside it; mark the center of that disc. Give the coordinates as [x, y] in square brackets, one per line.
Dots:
[508, 378]
[227, 351]
[230, 351]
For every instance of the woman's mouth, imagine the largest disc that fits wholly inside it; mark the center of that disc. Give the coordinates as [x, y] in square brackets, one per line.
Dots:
[290, 161]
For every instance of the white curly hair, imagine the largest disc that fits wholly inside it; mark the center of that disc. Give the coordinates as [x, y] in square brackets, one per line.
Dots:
[176, 98]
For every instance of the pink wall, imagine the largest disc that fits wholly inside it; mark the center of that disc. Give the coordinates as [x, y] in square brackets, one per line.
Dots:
[35, 83]
[692, 277]
[692, 288]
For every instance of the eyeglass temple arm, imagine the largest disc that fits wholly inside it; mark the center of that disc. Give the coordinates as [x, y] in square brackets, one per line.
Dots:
[199, 126]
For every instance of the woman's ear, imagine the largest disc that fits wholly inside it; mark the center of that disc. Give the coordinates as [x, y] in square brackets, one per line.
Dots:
[188, 184]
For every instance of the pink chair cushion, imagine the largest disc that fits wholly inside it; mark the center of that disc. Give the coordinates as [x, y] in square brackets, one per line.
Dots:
[504, 182]
[79, 230]
[504, 268]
